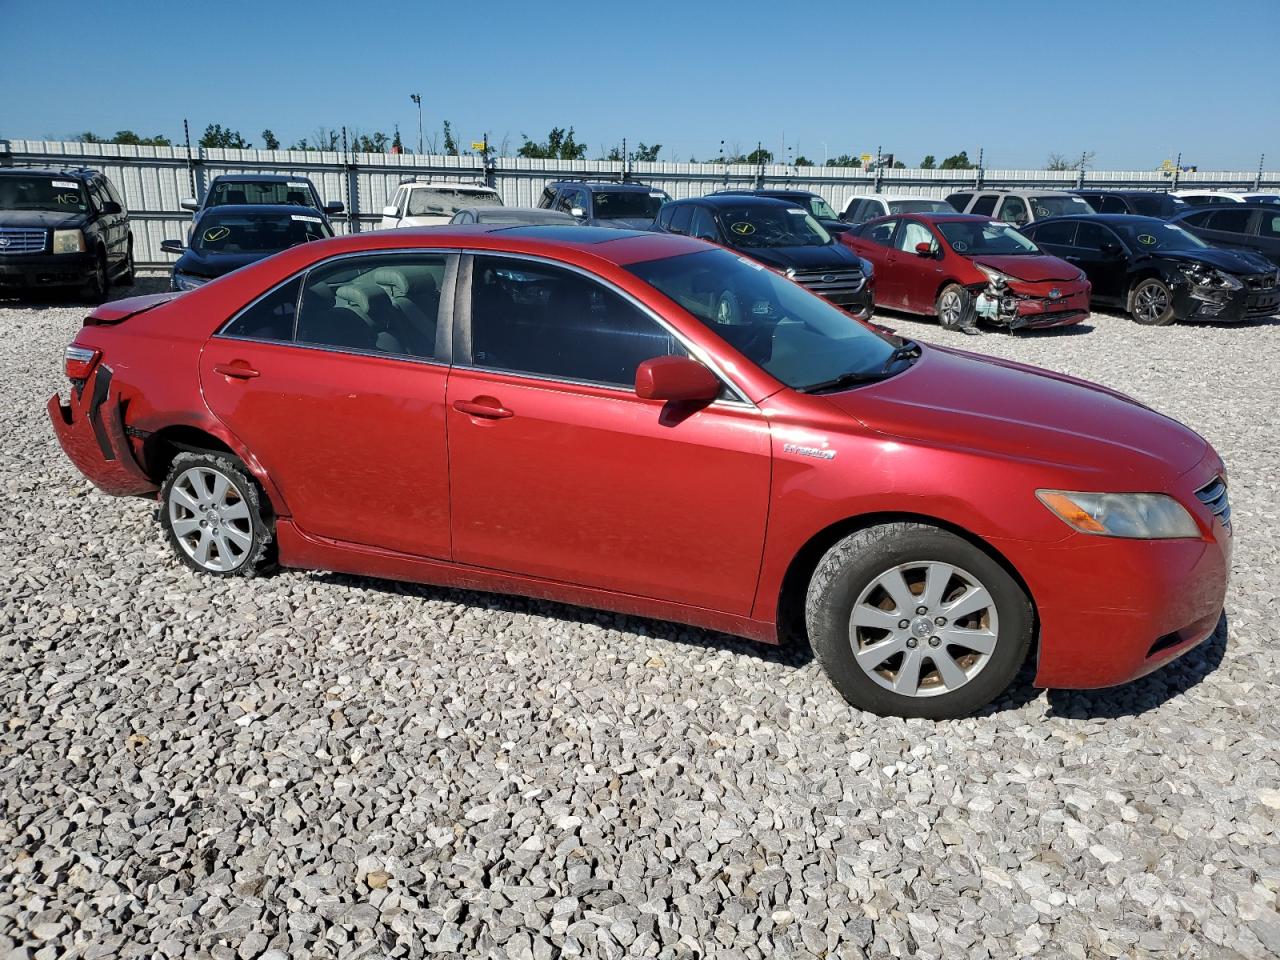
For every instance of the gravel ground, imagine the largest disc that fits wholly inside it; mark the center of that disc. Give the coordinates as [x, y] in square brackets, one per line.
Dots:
[310, 765]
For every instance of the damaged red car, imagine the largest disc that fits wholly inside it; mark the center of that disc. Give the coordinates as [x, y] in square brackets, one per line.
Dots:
[565, 413]
[963, 269]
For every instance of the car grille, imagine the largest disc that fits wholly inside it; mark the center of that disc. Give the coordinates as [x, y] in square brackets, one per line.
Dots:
[1262, 281]
[831, 282]
[1214, 496]
[17, 240]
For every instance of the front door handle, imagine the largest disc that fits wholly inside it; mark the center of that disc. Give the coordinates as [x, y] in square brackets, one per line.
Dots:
[487, 408]
[237, 369]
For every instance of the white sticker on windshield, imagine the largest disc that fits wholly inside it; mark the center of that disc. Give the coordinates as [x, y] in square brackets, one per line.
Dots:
[655, 193]
[304, 219]
[299, 186]
[751, 263]
[66, 185]
[796, 211]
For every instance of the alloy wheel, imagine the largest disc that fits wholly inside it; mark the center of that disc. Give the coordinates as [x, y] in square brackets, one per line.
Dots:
[1150, 302]
[210, 519]
[923, 629]
[949, 309]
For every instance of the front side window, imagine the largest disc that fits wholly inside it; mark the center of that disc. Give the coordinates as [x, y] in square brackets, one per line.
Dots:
[628, 204]
[546, 321]
[42, 193]
[1013, 210]
[990, 237]
[231, 231]
[548, 198]
[1109, 204]
[1230, 221]
[681, 217]
[380, 304]
[1093, 236]
[797, 337]
[913, 233]
[1059, 233]
[704, 225]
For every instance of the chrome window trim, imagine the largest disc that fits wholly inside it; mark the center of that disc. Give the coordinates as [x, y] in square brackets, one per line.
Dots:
[740, 399]
[451, 256]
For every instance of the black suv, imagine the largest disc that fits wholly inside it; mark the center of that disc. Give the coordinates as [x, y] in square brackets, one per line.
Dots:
[813, 204]
[63, 228]
[1140, 203]
[605, 203]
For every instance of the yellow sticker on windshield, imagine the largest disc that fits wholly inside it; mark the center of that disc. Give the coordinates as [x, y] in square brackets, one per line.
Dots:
[1146, 239]
[743, 229]
[215, 233]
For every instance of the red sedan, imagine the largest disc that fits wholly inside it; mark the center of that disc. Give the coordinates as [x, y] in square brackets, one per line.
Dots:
[963, 268]
[562, 412]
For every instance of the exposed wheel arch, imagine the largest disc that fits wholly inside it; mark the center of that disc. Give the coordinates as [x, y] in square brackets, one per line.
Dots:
[795, 582]
[161, 447]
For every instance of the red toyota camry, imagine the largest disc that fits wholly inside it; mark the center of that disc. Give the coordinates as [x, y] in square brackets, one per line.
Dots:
[562, 412]
[963, 268]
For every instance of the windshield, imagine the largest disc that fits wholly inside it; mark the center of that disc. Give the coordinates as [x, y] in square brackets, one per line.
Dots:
[821, 209]
[974, 238]
[1262, 198]
[442, 202]
[628, 204]
[1059, 206]
[1158, 236]
[299, 193]
[923, 205]
[233, 232]
[798, 337]
[1157, 205]
[42, 193]
[761, 225]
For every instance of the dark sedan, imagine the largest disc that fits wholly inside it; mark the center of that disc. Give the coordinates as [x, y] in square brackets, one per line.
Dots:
[781, 236]
[1243, 226]
[1157, 272]
[226, 238]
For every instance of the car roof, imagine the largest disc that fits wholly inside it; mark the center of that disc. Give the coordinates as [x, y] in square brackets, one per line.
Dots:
[1265, 207]
[1103, 191]
[259, 178]
[69, 172]
[603, 185]
[737, 199]
[1112, 218]
[926, 217]
[441, 185]
[496, 215]
[764, 192]
[232, 209]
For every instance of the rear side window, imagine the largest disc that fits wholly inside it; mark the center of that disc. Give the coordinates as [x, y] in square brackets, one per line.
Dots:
[881, 233]
[959, 200]
[985, 204]
[545, 321]
[1230, 221]
[270, 318]
[1055, 233]
[1091, 236]
[1269, 226]
[1109, 204]
[1198, 219]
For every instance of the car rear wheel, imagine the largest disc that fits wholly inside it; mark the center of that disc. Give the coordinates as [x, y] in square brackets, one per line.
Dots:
[955, 307]
[211, 510]
[129, 274]
[1151, 303]
[910, 620]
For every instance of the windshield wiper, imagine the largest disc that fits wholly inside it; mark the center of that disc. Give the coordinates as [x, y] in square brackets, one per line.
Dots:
[844, 380]
[909, 350]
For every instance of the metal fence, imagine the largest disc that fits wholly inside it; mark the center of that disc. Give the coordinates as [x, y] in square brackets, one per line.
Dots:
[154, 180]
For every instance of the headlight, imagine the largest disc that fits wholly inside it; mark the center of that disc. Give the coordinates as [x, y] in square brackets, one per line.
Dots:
[868, 268]
[1206, 276]
[1141, 516]
[183, 281]
[68, 241]
[995, 276]
[789, 273]
[1082, 277]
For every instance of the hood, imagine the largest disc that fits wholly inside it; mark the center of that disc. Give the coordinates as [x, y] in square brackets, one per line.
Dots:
[1231, 261]
[952, 398]
[832, 256]
[46, 219]
[216, 264]
[625, 223]
[1031, 269]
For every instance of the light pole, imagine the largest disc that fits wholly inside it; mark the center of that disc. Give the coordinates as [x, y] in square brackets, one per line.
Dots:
[824, 152]
[417, 98]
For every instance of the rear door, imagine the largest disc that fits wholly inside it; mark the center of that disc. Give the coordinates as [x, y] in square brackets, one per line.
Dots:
[1267, 239]
[335, 381]
[560, 471]
[1228, 227]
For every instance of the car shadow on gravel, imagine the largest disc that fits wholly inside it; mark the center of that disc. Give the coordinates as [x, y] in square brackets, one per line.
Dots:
[794, 653]
[987, 330]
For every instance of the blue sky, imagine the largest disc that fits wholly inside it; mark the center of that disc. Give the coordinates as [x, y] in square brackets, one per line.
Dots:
[1135, 81]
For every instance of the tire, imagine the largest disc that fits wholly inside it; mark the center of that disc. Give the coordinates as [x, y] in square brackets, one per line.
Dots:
[129, 274]
[232, 541]
[95, 290]
[728, 311]
[944, 569]
[1151, 303]
[954, 307]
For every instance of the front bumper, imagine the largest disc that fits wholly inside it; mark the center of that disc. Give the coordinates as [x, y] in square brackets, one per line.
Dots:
[1112, 610]
[28, 270]
[1033, 306]
[859, 303]
[1192, 303]
[90, 428]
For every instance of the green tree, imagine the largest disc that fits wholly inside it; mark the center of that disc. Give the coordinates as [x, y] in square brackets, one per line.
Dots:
[844, 160]
[928, 163]
[803, 161]
[87, 137]
[450, 146]
[216, 135]
[959, 161]
[269, 141]
[646, 153]
[758, 155]
[559, 145]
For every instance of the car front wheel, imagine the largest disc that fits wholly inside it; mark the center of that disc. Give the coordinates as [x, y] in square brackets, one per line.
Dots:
[955, 308]
[1151, 303]
[211, 510]
[910, 620]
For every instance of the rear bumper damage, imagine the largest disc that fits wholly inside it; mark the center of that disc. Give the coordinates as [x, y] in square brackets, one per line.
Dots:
[90, 428]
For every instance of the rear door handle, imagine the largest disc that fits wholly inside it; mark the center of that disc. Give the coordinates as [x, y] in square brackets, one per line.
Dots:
[486, 407]
[236, 368]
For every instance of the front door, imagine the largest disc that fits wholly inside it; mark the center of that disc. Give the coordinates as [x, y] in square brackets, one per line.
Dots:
[344, 403]
[915, 277]
[560, 471]
[1100, 254]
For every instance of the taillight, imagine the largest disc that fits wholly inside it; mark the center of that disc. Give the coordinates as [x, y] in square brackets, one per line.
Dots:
[81, 361]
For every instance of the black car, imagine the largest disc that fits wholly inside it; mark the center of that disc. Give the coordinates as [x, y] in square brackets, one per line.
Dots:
[262, 189]
[816, 207]
[605, 203]
[1244, 226]
[1141, 203]
[780, 235]
[225, 238]
[1158, 272]
[63, 228]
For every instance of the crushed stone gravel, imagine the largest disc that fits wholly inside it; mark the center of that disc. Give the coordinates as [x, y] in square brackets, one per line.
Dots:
[312, 765]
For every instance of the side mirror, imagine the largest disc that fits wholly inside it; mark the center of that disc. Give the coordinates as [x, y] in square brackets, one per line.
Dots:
[111, 207]
[190, 203]
[392, 212]
[334, 206]
[577, 212]
[924, 249]
[173, 246]
[676, 378]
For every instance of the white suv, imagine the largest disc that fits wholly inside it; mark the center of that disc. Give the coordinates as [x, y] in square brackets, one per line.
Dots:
[1206, 198]
[421, 203]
